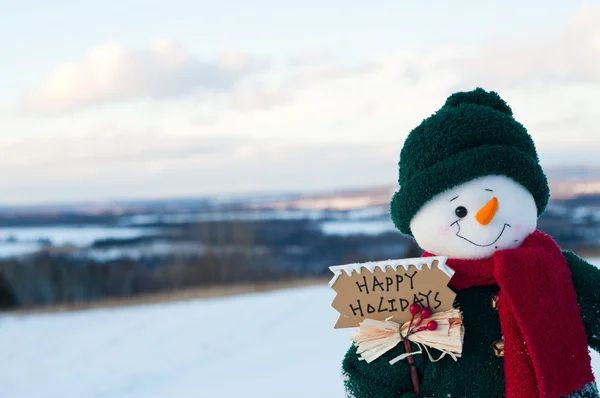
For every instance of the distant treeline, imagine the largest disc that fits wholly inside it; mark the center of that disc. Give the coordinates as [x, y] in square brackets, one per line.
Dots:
[234, 252]
[45, 279]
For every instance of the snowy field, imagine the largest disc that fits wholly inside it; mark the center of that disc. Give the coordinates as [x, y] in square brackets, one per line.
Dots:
[17, 241]
[23, 240]
[270, 345]
[277, 344]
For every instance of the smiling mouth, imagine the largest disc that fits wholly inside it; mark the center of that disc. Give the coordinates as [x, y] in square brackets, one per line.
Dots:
[477, 244]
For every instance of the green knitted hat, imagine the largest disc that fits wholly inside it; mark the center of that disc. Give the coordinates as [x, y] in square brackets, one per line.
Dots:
[471, 136]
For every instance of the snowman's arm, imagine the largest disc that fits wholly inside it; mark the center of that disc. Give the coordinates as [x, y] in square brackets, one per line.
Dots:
[379, 379]
[586, 279]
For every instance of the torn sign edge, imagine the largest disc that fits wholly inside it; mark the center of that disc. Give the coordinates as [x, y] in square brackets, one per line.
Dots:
[418, 262]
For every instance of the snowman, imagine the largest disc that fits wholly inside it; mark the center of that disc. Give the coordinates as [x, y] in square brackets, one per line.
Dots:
[472, 189]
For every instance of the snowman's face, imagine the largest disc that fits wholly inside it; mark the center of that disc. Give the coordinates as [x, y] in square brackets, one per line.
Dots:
[476, 219]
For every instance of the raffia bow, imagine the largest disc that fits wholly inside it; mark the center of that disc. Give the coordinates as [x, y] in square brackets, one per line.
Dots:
[375, 338]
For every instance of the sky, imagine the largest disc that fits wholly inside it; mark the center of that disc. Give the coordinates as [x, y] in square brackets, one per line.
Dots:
[155, 99]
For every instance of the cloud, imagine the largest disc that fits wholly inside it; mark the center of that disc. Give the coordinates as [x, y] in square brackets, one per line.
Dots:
[308, 57]
[154, 163]
[113, 73]
[128, 148]
[569, 55]
[264, 95]
[311, 125]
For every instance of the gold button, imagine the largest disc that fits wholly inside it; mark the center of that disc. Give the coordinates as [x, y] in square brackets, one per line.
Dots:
[494, 301]
[499, 347]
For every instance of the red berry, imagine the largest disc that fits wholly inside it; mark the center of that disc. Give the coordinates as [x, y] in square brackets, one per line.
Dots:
[414, 308]
[425, 312]
[432, 325]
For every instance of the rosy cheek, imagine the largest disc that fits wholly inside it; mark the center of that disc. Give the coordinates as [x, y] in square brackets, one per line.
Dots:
[445, 230]
[519, 228]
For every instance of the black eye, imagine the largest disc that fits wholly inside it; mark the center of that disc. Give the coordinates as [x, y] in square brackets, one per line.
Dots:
[461, 212]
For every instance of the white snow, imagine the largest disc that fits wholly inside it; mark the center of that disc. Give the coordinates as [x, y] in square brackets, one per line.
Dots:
[357, 227]
[277, 344]
[17, 241]
[16, 249]
[394, 264]
[76, 235]
[265, 214]
[270, 345]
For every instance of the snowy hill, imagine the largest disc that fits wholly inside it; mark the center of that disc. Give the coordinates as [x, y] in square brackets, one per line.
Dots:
[270, 345]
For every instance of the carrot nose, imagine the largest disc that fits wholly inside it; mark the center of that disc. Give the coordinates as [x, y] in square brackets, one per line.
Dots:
[486, 214]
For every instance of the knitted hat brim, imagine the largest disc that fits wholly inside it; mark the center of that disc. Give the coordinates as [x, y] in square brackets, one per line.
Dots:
[458, 169]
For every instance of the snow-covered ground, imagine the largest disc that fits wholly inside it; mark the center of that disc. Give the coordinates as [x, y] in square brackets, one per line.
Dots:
[23, 240]
[17, 241]
[270, 345]
[277, 344]
[356, 227]
[71, 235]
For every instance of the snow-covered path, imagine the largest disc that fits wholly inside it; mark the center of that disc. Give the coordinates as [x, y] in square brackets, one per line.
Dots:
[271, 345]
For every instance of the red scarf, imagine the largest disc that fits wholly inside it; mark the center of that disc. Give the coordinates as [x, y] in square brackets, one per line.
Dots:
[545, 345]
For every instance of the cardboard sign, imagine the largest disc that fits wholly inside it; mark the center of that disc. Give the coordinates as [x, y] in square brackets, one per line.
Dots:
[384, 289]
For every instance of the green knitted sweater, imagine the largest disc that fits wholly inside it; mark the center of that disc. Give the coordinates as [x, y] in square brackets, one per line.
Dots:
[478, 373]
